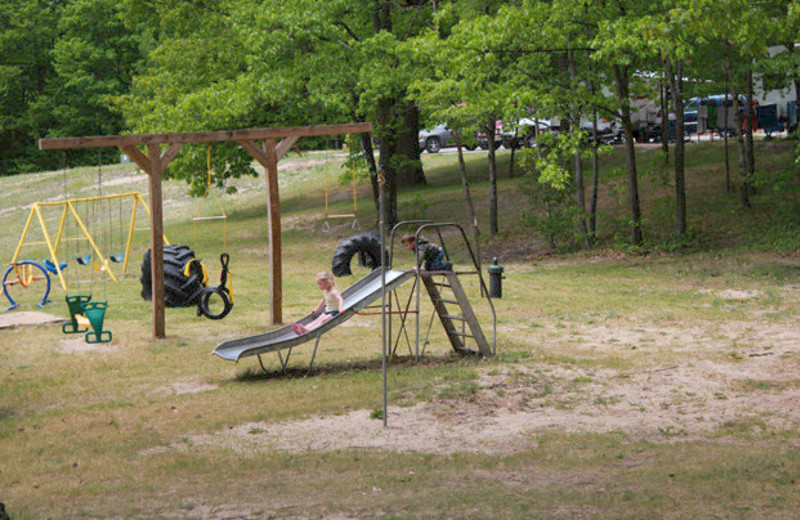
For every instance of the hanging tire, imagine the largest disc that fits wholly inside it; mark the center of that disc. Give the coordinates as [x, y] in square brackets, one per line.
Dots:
[208, 306]
[368, 247]
[179, 289]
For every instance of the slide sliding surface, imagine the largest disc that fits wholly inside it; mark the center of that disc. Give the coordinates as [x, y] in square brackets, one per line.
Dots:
[356, 297]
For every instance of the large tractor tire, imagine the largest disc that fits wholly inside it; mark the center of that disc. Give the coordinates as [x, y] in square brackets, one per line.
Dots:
[368, 247]
[178, 288]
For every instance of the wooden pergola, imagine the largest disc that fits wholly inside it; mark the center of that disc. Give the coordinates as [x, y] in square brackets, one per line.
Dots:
[261, 143]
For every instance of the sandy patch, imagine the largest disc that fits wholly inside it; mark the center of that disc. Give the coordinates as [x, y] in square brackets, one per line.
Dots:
[736, 294]
[78, 345]
[299, 165]
[505, 414]
[20, 318]
[741, 376]
[190, 387]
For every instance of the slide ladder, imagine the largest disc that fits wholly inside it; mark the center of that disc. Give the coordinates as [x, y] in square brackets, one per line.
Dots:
[470, 328]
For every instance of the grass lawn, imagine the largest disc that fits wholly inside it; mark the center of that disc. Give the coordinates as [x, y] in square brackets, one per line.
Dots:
[629, 384]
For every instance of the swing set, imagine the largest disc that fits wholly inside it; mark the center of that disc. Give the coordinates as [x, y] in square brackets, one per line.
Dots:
[53, 241]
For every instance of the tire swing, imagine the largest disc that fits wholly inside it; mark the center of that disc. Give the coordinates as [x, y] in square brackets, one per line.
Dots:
[185, 276]
[368, 247]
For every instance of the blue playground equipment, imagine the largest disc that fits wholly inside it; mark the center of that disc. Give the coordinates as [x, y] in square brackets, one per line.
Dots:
[24, 275]
[51, 266]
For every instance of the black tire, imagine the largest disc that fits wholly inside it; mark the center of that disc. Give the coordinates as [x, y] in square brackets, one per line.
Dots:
[179, 290]
[205, 303]
[368, 247]
[432, 145]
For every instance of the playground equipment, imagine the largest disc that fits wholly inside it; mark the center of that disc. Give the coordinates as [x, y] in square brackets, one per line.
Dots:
[368, 247]
[95, 312]
[356, 298]
[220, 216]
[75, 304]
[185, 282]
[443, 287]
[326, 226]
[54, 240]
[92, 313]
[265, 145]
[24, 276]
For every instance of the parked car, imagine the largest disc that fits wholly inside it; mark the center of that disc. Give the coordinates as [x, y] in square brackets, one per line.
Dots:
[523, 132]
[483, 140]
[434, 139]
[437, 138]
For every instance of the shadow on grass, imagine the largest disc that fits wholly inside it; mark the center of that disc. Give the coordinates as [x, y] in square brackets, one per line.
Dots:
[255, 373]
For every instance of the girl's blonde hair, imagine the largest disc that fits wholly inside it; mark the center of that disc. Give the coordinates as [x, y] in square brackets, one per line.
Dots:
[325, 275]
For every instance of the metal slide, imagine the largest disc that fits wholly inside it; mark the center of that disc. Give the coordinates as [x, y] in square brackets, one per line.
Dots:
[356, 297]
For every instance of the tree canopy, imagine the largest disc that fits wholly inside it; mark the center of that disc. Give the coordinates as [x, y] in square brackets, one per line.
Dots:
[84, 67]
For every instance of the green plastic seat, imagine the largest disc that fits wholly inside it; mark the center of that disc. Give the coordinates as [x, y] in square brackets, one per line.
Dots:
[96, 312]
[75, 304]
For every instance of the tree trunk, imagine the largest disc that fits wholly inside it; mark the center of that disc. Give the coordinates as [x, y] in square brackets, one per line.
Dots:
[462, 169]
[387, 149]
[595, 183]
[727, 124]
[622, 80]
[750, 117]
[369, 156]
[664, 121]
[675, 75]
[408, 167]
[796, 103]
[579, 189]
[744, 189]
[513, 149]
[493, 228]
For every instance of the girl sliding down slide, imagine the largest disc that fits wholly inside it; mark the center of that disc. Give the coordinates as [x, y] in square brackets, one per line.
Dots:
[331, 300]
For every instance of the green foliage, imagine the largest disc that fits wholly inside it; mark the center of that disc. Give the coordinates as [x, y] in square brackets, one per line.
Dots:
[549, 185]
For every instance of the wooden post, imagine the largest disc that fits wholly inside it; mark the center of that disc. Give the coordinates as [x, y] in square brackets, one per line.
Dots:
[156, 240]
[274, 222]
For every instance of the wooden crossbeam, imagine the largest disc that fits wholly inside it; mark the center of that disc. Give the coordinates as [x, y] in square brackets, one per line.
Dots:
[60, 143]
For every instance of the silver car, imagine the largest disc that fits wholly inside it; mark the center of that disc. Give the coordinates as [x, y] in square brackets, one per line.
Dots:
[435, 139]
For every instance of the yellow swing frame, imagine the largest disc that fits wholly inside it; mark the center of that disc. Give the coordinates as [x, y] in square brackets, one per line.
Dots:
[69, 208]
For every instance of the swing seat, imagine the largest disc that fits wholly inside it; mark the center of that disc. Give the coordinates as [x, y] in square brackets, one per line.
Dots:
[84, 260]
[96, 312]
[117, 258]
[50, 266]
[77, 321]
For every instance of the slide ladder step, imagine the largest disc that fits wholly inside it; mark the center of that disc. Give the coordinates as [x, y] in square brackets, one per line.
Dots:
[468, 315]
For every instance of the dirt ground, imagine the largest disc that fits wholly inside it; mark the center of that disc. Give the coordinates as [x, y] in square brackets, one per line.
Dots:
[20, 318]
[709, 386]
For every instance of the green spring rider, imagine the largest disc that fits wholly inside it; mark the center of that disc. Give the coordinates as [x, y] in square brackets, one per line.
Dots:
[75, 304]
[95, 312]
